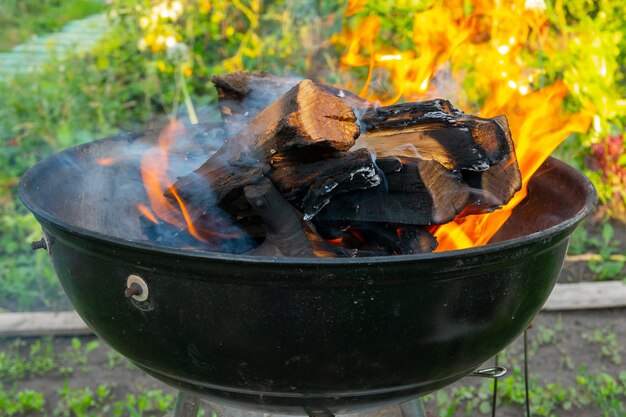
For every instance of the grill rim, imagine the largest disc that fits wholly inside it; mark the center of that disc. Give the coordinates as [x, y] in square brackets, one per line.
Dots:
[25, 194]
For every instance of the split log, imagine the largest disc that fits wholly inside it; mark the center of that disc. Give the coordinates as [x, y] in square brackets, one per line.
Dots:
[416, 191]
[311, 185]
[447, 190]
[287, 235]
[242, 95]
[494, 188]
[305, 118]
[435, 130]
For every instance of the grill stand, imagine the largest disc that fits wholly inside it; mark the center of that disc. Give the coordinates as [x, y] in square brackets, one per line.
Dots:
[187, 405]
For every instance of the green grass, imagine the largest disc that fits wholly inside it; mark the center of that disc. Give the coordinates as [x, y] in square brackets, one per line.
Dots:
[21, 19]
[19, 360]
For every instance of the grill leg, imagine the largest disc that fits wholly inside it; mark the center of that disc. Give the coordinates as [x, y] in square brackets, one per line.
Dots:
[413, 408]
[187, 405]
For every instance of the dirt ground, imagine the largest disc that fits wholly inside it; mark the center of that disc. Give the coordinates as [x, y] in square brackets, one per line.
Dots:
[588, 239]
[559, 344]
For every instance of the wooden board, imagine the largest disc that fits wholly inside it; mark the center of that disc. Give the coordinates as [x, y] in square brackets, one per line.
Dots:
[62, 323]
[587, 295]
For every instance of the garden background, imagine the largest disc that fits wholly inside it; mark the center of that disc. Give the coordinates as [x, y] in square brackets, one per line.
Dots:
[559, 67]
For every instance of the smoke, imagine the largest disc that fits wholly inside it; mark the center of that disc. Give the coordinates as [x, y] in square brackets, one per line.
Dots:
[448, 85]
[99, 186]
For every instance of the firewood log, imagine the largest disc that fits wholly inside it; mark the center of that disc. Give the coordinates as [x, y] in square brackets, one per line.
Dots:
[494, 188]
[287, 234]
[435, 130]
[304, 120]
[488, 145]
[242, 95]
[416, 191]
[310, 186]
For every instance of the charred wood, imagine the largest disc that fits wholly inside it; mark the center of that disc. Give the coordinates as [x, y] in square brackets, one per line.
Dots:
[416, 191]
[286, 233]
[306, 117]
[378, 205]
[494, 188]
[242, 95]
[311, 185]
[378, 239]
[435, 130]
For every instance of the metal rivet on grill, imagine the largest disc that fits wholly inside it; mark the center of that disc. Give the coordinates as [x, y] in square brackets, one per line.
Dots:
[42, 243]
[136, 288]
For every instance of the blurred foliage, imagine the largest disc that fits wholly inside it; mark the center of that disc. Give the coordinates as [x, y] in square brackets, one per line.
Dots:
[159, 54]
[593, 65]
[278, 36]
[22, 19]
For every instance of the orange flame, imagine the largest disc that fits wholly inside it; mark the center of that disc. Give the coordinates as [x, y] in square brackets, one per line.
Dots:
[536, 136]
[106, 161]
[156, 179]
[145, 210]
[449, 42]
[154, 165]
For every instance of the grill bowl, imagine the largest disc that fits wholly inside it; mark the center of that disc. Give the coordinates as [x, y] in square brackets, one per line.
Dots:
[290, 335]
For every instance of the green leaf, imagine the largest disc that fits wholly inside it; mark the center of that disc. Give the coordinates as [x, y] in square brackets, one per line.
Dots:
[613, 269]
[76, 343]
[607, 233]
[91, 346]
[484, 407]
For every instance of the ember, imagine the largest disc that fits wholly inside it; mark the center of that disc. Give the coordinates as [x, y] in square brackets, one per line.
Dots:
[336, 164]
